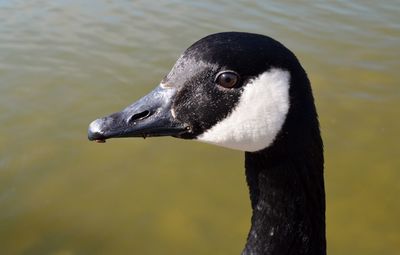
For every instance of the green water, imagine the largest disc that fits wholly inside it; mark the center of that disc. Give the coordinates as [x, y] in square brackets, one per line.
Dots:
[65, 63]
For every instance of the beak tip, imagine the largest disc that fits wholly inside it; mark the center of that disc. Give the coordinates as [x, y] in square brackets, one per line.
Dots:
[95, 131]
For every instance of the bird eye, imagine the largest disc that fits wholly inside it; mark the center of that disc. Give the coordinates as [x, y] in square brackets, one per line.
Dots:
[227, 79]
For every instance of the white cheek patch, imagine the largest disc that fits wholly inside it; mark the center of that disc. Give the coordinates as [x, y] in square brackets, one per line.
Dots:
[258, 116]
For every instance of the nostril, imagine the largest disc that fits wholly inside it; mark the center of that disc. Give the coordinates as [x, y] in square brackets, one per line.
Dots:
[139, 116]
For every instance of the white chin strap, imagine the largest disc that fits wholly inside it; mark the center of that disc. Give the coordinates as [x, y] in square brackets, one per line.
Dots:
[257, 118]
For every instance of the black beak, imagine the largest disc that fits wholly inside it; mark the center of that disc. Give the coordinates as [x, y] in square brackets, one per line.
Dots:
[149, 116]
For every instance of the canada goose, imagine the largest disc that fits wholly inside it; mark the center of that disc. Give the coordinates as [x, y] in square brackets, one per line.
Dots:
[247, 92]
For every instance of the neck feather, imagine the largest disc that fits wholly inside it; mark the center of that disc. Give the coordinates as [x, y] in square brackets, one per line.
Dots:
[288, 201]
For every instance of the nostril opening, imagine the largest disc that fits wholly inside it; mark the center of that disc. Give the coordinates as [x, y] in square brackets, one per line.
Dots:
[139, 116]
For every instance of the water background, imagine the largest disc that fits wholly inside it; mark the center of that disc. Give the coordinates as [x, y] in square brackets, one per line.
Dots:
[65, 63]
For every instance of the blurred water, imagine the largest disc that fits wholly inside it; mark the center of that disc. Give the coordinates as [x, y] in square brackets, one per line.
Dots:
[65, 63]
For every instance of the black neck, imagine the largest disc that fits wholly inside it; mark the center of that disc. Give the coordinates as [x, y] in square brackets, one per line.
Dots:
[288, 202]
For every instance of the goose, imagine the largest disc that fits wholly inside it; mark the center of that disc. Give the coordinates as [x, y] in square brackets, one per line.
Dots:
[246, 92]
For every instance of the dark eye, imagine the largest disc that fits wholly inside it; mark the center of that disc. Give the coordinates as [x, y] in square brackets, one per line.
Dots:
[227, 79]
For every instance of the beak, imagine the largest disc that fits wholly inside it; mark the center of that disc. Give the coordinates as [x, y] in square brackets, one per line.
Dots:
[149, 116]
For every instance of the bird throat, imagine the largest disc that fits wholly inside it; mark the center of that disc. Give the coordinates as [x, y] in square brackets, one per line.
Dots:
[288, 203]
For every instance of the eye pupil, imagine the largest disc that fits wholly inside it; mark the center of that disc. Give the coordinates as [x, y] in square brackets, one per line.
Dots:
[227, 79]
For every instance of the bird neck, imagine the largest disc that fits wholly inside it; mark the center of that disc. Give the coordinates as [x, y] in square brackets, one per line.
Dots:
[288, 202]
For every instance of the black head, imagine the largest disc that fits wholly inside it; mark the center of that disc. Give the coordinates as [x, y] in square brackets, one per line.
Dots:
[232, 89]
